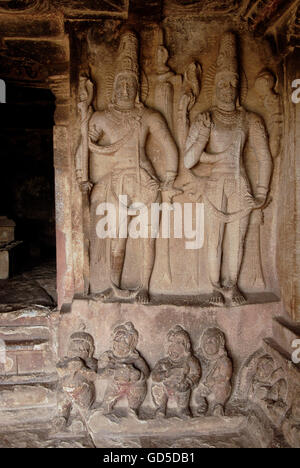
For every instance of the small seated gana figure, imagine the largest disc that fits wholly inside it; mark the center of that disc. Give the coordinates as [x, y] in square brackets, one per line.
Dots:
[215, 389]
[126, 371]
[268, 384]
[175, 376]
[77, 372]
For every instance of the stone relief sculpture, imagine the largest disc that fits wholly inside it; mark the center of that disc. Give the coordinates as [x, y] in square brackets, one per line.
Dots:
[189, 93]
[268, 384]
[291, 425]
[86, 92]
[176, 375]
[77, 373]
[272, 103]
[171, 94]
[218, 138]
[162, 82]
[127, 372]
[268, 103]
[215, 387]
[119, 166]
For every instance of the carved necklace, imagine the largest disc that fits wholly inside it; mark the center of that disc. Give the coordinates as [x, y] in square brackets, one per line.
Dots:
[226, 117]
[128, 118]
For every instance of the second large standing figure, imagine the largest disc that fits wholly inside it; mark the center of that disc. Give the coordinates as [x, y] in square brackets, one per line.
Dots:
[219, 138]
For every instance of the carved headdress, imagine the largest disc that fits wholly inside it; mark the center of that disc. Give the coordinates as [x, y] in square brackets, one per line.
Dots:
[227, 62]
[128, 329]
[227, 59]
[127, 59]
[83, 336]
[179, 331]
[216, 333]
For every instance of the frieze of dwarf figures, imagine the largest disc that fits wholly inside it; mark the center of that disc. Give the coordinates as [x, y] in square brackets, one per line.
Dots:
[185, 382]
[176, 380]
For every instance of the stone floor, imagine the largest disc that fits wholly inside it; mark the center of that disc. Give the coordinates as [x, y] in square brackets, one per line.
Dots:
[34, 287]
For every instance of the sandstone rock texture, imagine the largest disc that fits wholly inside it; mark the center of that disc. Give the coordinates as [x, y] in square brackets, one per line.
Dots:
[176, 158]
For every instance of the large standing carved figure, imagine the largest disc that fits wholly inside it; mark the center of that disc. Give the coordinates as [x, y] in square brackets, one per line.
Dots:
[175, 376]
[218, 138]
[119, 166]
[125, 369]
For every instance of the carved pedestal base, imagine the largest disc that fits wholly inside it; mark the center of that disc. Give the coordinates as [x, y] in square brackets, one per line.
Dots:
[223, 432]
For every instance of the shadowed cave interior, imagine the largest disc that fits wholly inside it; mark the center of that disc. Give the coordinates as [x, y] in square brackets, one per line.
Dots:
[27, 196]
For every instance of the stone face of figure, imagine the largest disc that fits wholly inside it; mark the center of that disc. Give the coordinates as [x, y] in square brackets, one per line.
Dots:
[175, 376]
[265, 368]
[162, 57]
[215, 388]
[126, 371]
[123, 343]
[218, 138]
[227, 90]
[264, 84]
[77, 374]
[126, 89]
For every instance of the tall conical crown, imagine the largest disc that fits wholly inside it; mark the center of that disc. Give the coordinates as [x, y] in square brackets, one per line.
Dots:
[127, 60]
[227, 59]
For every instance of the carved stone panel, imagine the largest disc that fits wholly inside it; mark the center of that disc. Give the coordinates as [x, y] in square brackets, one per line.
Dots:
[179, 138]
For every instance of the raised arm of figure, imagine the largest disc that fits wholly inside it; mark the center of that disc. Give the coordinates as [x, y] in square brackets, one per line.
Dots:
[197, 140]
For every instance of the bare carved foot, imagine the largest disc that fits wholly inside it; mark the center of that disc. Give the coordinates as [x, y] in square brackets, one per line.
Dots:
[106, 295]
[237, 298]
[113, 418]
[143, 297]
[115, 293]
[134, 413]
[218, 411]
[160, 413]
[216, 299]
[183, 414]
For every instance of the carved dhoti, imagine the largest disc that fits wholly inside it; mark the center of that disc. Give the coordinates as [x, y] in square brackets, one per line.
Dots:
[134, 392]
[139, 190]
[227, 220]
[163, 393]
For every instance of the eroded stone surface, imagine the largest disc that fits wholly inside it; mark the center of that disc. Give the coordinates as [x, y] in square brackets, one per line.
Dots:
[156, 344]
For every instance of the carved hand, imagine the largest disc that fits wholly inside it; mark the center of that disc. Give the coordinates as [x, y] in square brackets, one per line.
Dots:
[152, 184]
[257, 202]
[205, 124]
[186, 102]
[184, 386]
[86, 186]
[93, 135]
[204, 390]
[195, 188]
[260, 201]
[167, 187]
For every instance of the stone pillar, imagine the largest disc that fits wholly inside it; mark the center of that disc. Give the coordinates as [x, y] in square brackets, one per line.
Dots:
[63, 189]
[289, 208]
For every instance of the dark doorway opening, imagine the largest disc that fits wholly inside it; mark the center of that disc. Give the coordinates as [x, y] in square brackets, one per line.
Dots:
[27, 194]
